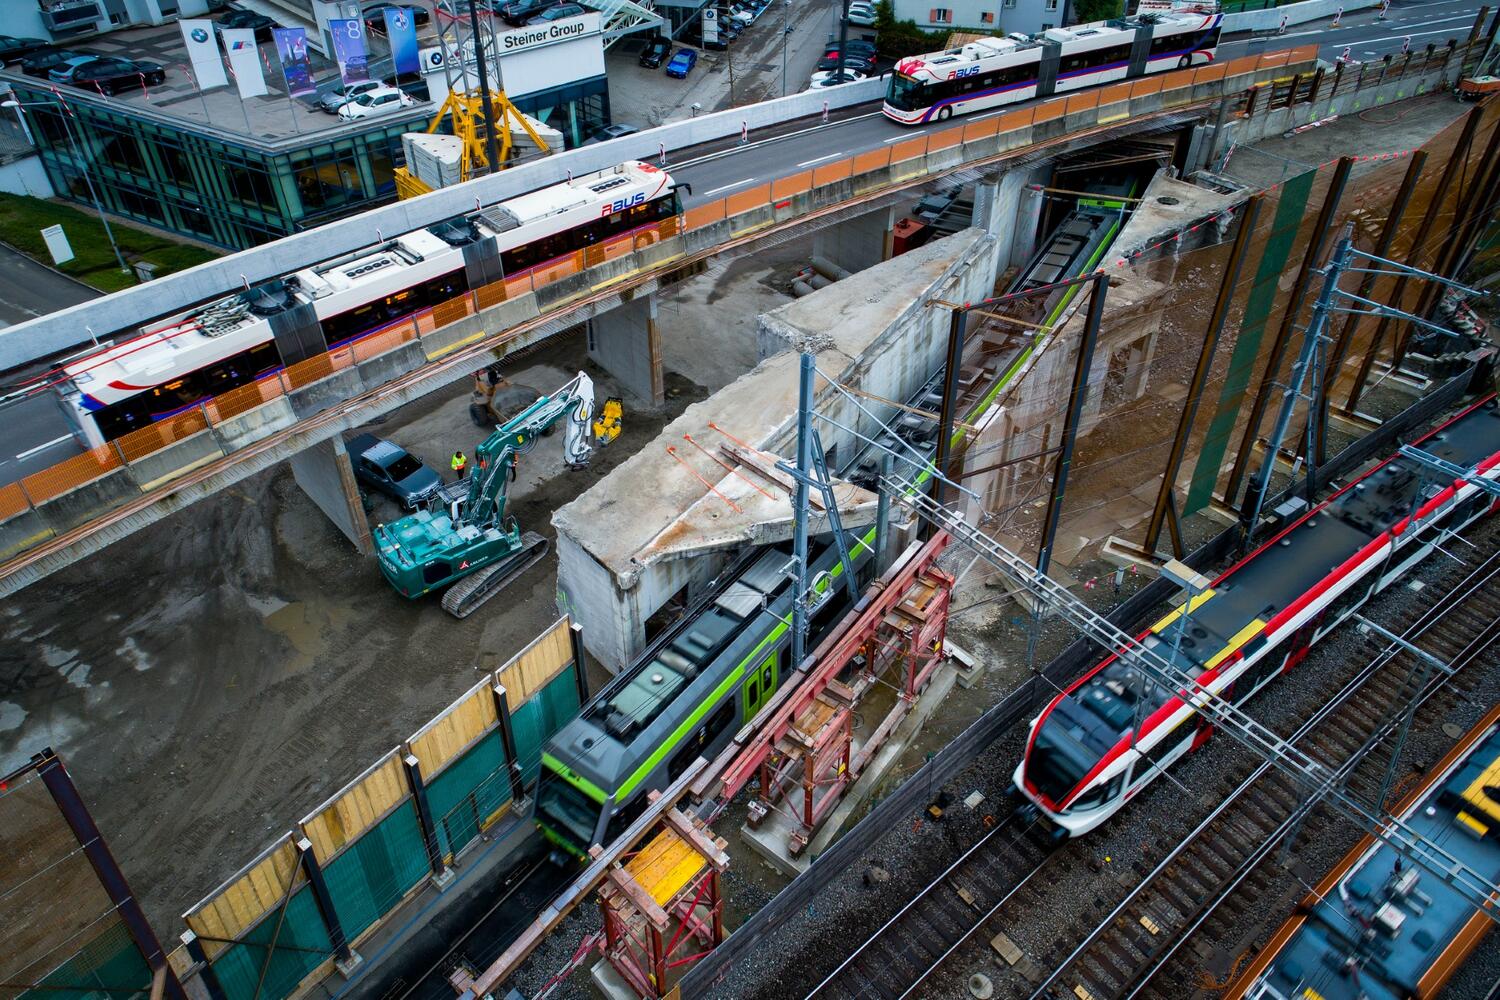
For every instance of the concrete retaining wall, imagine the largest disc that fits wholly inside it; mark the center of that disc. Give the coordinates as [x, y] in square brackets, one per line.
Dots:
[1295, 13]
[175, 460]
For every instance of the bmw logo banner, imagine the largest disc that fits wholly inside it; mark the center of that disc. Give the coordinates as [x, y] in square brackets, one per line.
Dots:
[203, 52]
[401, 32]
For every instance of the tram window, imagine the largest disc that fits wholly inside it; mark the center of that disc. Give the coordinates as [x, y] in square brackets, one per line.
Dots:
[1161, 751]
[752, 695]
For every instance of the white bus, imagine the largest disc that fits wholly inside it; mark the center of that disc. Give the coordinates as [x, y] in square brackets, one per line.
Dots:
[990, 72]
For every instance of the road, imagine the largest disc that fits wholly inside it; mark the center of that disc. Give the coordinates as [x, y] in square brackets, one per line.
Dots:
[36, 434]
[718, 169]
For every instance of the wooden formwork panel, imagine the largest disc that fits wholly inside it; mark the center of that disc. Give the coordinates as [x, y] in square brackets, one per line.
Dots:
[239, 903]
[1014, 121]
[946, 139]
[981, 130]
[1048, 111]
[362, 803]
[875, 159]
[1085, 101]
[446, 736]
[786, 187]
[910, 149]
[1209, 74]
[538, 663]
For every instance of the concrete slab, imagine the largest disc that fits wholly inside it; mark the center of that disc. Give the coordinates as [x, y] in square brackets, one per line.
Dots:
[872, 329]
[610, 984]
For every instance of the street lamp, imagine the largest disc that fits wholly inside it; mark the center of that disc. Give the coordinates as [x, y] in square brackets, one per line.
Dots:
[82, 165]
[786, 31]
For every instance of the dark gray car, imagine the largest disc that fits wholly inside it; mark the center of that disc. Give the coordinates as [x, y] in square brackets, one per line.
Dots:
[387, 468]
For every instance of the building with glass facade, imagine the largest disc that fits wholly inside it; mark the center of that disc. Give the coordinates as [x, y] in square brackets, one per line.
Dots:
[228, 187]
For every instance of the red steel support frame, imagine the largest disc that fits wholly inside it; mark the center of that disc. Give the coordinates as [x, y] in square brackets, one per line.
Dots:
[738, 764]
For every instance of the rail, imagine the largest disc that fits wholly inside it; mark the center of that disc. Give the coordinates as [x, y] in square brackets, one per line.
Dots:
[1477, 585]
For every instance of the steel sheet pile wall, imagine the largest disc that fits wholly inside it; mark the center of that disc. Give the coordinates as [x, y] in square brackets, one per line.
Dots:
[64, 937]
[321, 888]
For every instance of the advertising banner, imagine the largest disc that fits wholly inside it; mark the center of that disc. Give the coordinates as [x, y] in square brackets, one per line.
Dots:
[710, 26]
[244, 61]
[349, 49]
[291, 47]
[203, 51]
[401, 32]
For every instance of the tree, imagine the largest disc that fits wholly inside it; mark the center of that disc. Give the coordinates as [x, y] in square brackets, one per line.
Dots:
[1085, 11]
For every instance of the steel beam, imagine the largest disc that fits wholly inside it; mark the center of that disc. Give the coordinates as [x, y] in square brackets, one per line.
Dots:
[957, 327]
[1216, 321]
[75, 813]
[1414, 256]
[1321, 229]
[1077, 395]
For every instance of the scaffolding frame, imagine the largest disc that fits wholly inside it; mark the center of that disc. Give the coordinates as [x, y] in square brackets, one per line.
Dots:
[662, 909]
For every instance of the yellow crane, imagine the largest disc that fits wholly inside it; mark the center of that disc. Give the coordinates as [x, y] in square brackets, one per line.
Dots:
[466, 108]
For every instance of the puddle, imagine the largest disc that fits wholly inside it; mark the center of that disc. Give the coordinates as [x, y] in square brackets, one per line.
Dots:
[306, 628]
[11, 716]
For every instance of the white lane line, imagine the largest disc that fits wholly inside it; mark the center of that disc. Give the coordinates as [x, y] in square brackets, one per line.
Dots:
[726, 187]
[830, 156]
[895, 138]
[43, 447]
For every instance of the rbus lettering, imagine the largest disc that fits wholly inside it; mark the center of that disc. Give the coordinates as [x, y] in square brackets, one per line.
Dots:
[623, 204]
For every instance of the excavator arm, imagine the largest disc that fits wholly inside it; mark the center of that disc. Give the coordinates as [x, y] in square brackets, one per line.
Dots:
[496, 456]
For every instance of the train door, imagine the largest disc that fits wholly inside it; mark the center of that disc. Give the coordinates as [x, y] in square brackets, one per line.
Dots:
[760, 684]
[1300, 642]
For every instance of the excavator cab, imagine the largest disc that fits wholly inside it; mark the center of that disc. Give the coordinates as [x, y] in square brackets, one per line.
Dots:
[607, 423]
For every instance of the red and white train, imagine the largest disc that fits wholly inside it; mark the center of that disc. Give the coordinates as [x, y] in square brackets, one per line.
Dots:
[252, 334]
[1113, 732]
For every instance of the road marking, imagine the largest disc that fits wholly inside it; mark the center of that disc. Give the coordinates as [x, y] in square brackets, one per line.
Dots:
[43, 447]
[895, 138]
[830, 156]
[726, 187]
[733, 150]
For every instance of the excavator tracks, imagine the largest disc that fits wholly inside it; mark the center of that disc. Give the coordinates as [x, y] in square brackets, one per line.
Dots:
[465, 597]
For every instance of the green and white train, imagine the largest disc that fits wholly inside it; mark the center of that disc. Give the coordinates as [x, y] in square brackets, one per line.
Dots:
[692, 689]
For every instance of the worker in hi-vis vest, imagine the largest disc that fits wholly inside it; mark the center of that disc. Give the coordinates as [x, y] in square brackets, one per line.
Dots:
[460, 464]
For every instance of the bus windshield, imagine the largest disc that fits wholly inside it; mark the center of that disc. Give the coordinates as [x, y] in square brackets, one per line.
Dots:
[904, 93]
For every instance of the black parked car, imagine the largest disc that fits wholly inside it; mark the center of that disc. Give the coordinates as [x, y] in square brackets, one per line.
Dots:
[655, 51]
[259, 23]
[557, 13]
[16, 49]
[47, 60]
[110, 75]
[857, 47]
[374, 14]
[518, 12]
[857, 63]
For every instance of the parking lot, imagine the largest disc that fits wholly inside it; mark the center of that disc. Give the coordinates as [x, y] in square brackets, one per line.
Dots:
[749, 71]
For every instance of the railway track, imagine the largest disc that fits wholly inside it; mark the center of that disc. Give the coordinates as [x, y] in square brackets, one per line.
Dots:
[1010, 871]
[1215, 873]
[940, 919]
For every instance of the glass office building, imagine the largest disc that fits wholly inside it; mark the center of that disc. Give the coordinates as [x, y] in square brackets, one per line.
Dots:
[228, 187]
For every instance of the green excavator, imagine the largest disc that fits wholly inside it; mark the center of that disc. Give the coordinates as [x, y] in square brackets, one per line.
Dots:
[465, 539]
